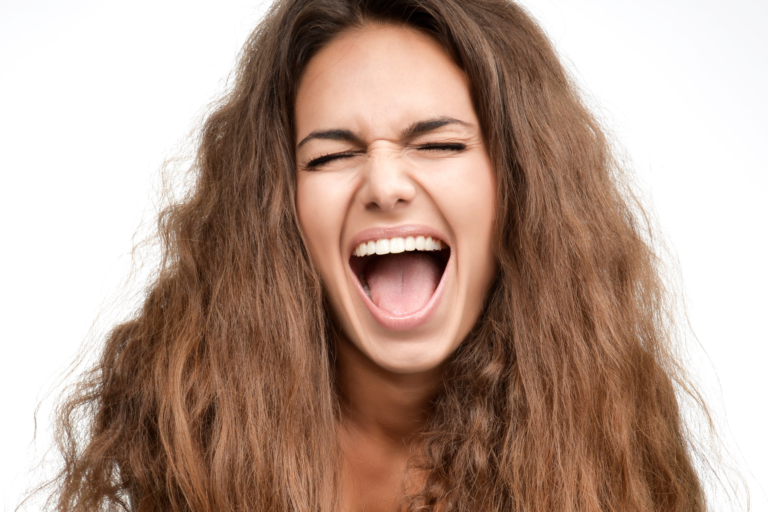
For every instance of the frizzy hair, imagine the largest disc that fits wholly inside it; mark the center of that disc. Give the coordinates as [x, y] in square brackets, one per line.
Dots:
[219, 394]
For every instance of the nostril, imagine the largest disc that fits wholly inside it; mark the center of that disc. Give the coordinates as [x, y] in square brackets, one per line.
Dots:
[387, 205]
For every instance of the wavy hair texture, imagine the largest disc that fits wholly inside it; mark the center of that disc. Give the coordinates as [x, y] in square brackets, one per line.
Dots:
[219, 394]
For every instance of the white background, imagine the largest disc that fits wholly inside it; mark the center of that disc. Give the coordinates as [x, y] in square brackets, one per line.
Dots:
[95, 95]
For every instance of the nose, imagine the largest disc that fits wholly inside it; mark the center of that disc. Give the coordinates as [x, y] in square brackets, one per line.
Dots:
[386, 185]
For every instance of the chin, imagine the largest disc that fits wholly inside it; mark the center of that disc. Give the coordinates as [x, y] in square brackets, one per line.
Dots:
[408, 357]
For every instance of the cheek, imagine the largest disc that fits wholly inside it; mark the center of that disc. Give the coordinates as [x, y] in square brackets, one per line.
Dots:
[477, 200]
[320, 212]
[466, 192]
[468, 200]
[310, 211]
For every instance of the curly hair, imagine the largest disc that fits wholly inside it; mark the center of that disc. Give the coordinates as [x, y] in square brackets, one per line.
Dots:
[219, 394]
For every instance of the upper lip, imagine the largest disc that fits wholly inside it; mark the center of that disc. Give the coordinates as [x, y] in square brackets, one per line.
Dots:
[379, 233]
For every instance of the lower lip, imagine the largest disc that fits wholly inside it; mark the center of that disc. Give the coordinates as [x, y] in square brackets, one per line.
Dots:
[410, 320]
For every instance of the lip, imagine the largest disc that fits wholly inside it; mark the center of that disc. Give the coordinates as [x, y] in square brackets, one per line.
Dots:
[384, 318]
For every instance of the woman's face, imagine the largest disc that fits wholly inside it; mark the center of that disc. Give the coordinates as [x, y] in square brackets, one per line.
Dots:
[396, 195]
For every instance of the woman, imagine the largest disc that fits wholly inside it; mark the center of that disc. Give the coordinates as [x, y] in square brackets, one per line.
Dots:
[408, 277]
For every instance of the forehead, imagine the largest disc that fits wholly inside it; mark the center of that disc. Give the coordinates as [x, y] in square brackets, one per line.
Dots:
[380, 78]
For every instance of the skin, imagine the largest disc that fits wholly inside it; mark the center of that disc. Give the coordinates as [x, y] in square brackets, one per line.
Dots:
[362, 93]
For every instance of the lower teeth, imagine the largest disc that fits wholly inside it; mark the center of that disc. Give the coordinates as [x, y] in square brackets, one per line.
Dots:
[361, 277]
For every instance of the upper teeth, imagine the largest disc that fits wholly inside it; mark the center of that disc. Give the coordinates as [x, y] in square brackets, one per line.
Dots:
[399, 244]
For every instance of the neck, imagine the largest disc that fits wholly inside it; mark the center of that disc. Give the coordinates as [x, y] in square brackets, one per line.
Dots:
[383, 404]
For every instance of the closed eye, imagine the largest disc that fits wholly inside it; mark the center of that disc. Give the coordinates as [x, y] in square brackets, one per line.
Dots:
[442, 146]
[324, 159]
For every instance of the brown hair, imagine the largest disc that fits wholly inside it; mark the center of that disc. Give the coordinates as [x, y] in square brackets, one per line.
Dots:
[218, 395]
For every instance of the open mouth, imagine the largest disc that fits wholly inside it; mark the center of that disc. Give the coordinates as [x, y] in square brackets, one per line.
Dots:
[400, 275]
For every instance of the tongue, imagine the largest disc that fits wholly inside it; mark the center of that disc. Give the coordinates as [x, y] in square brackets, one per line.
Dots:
[402, 283]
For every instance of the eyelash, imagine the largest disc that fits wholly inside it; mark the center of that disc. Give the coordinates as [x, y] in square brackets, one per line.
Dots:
[324, 159]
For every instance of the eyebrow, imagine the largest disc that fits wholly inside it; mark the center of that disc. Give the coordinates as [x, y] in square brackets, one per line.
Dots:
[414, 130]
[430, 125]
